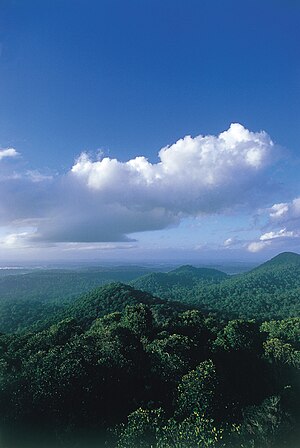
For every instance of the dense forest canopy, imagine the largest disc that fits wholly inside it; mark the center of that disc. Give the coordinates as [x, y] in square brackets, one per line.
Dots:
[29, 295]
[270, 291]
[119, 367]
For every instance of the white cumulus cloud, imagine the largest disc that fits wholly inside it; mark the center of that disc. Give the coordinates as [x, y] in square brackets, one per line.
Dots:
[8, 152]
[107, 200]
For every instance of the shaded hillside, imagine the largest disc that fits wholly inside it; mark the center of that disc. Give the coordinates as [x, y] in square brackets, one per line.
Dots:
[30, 296]
[177, 283]
[57, 284]
[271, 290]
[19, 315]
[109, 299]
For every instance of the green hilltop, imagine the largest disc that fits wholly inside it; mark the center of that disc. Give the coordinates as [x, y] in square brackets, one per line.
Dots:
[271, 290]
[284, 259]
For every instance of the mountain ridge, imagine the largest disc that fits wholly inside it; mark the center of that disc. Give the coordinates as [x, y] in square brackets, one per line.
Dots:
[271, 290]
[284, 258]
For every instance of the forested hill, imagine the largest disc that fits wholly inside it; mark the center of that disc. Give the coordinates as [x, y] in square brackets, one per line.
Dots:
[284, 260]
[133, 371]
[29, 296]
[191, 273]
[113, 298]
[108, 299]
[170, 284]
[271, 290]
[62, 284]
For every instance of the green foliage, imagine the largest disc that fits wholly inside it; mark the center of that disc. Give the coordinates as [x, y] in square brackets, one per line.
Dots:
[169, 356]
[158, 372]
[142, 429]
[150, 428]
[277, 350]
[18, 315]
[28, 296]
[239, 335]
[175, 284]
[194, 431]
[197, 390]
[286, 329]
[139, 319]
[62, 284]
[263, 426]
[270, 291]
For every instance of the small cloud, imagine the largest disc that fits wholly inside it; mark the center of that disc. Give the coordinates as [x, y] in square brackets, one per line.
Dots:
[285, 211]
[8, 152]
[279, 210]
[229, 242]
[283, 233]
[257, 246]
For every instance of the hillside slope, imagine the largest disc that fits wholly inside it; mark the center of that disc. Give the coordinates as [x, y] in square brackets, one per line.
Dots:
[29, 296]
[174, 284]
[57, 284]
[108, 299]
[271, 290]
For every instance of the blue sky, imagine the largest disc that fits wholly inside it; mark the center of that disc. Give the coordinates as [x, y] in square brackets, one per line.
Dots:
[121, 79]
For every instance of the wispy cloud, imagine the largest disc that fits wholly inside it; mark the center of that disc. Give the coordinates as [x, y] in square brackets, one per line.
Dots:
[37, 176]
[283, 225]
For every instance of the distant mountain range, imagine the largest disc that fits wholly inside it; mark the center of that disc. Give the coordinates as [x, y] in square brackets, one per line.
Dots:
[270, 291]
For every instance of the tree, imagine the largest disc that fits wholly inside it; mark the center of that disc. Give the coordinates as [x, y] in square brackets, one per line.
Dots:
[139, 319]
[197, 390]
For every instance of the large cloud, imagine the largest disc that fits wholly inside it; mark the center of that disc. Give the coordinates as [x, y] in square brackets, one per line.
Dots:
[201, 174]
[107, 200]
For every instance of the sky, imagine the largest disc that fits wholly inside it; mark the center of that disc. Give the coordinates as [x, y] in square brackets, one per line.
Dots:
[149, 130]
